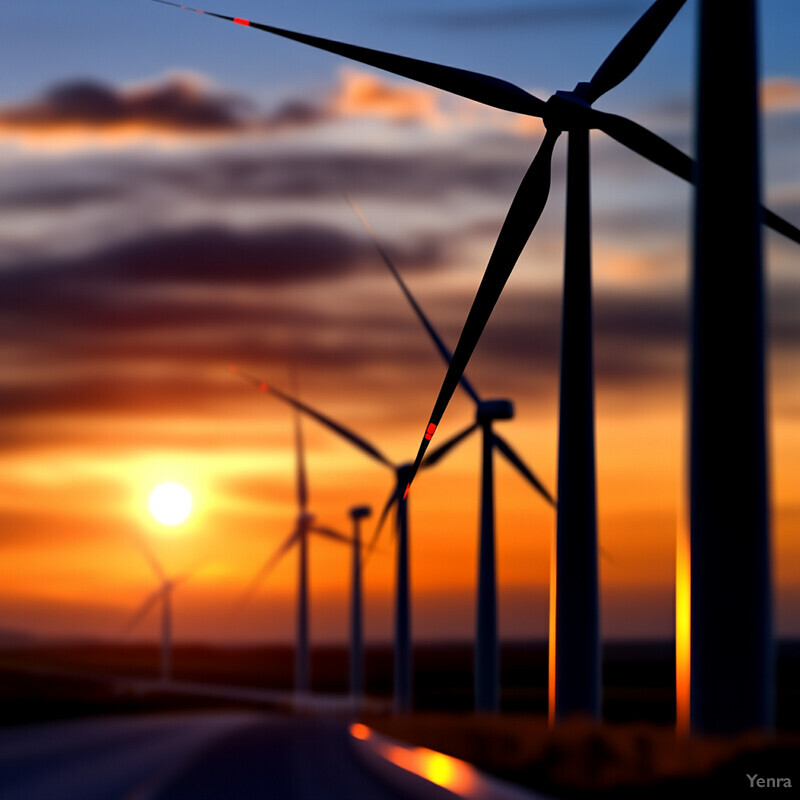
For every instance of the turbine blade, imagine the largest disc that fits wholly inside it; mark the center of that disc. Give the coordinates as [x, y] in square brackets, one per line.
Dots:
[149, 556]
[302, 484]
[393, 498]
[437, 340]
[142, 611]
[465, 83]
[197, 565]
[516, 461]
[331, 534]
[444, 449]
[652, 147]
[646, 143]
[182, 578]
[633, 47]
[336, 427]
[264, 570]
[781, 225]
[526, 208]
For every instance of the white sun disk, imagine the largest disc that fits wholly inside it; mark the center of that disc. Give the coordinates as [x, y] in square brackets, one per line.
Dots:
[170, 503]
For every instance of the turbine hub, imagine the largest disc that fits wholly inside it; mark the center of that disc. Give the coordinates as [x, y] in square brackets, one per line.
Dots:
[306, 518]
[566, 110]
[404, 472]
[489, 410]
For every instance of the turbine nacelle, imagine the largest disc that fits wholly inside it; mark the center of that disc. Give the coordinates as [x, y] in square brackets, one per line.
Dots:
[305, 518]
[404, 473]
[359, 512]
[566, 110]
[489, 410]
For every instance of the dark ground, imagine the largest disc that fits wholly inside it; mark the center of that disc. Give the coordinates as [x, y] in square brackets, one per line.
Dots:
[633, 751]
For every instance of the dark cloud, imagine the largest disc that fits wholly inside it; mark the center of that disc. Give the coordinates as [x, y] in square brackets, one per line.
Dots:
[201, 256]
[178, 104]
[198, 300]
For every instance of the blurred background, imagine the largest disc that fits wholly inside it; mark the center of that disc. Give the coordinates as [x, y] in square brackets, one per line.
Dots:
[171, 203]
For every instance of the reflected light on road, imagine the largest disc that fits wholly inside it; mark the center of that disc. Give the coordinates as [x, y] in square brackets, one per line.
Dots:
[452, 774]
[359, 731]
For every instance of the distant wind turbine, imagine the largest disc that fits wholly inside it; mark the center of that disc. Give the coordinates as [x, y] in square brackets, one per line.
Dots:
[397, 498]
[357, 513]
[487, 673]
[298, 537]
[163, 595]
[574, 639]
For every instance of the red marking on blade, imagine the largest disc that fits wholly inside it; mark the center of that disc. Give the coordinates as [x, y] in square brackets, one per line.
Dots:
[429, 433]
[240, 21]
[408, 489]
[262, 387]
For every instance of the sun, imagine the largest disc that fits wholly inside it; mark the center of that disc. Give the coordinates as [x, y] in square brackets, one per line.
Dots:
[170, 503]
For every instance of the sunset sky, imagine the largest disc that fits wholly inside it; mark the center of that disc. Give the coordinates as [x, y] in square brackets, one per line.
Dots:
[171, 203]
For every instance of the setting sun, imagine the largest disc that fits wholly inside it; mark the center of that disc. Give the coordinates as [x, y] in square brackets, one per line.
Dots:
[170, 503]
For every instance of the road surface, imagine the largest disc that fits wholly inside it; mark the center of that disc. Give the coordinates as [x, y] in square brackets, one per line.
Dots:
[218, 756]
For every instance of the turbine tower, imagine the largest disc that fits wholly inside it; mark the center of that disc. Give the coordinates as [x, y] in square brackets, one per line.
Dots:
[487, 671]
[357, 513]
[299, 537]
[731, 650]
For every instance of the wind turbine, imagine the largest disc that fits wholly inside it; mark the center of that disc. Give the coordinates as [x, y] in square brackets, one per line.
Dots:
[574, 640]
[487, 677]
[731, 683]
[397, 497]
[357, 513]
[299, 537]
[163, 595]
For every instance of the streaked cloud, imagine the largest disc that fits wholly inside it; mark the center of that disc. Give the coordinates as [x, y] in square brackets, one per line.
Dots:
[84, 113]
[130, 278]
[179, 103]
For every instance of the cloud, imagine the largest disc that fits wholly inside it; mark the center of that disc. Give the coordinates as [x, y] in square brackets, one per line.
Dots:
[179, 103]
[186, 107]
[780, 95]
[81, 112]
[362, 93]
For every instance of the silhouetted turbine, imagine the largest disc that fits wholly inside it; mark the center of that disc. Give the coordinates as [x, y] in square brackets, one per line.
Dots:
[164, 595]
[561, 111]
[398, 498]
[487, 674]
[303, 527]
[575, 676]
[357, 513]
[732, 661]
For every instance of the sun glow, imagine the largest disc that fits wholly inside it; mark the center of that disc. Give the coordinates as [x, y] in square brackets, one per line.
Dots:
[170, 503]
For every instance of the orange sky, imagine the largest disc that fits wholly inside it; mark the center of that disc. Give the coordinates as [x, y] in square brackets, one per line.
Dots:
[115, 377]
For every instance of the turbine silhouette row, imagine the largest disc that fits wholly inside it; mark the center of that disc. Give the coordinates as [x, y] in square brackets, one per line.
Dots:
[727, 360]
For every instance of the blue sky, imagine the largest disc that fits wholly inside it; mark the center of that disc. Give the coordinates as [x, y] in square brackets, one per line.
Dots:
[548, 44]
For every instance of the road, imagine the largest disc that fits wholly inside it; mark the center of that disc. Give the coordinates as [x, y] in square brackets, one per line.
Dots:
[213, 756]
